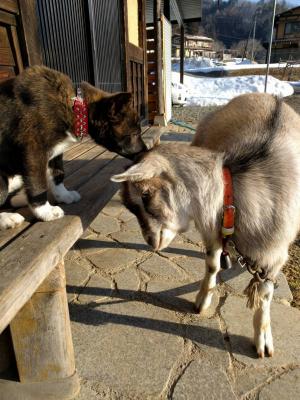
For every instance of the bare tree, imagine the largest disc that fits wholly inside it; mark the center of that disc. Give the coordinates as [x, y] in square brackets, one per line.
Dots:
[243, 48]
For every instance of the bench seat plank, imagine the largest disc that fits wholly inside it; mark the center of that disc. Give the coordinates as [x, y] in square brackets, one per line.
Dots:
[29, 259]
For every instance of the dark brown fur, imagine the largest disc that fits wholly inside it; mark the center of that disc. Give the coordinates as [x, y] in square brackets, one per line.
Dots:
[35, 116]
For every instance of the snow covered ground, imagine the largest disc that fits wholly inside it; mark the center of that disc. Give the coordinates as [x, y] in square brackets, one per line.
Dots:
[205, 65]
[204, 91]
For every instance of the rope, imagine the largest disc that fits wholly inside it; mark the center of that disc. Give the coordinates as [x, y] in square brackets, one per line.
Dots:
[183, 124]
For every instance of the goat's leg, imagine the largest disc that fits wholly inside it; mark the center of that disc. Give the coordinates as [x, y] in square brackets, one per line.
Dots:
[262, 320]
[213, 266]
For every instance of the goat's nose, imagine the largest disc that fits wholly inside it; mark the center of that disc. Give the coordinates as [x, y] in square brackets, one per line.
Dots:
[152, 241]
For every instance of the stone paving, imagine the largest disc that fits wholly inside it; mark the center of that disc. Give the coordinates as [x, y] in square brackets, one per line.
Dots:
[136, 336]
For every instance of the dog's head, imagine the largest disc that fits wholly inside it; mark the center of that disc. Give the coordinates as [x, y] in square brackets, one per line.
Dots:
[112, 121]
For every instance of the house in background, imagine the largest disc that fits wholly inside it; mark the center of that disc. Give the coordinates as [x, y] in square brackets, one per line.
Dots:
[286, 44]
[195, 46]
[105, 42]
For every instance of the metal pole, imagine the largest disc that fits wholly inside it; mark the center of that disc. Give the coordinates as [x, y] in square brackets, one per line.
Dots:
[270, 45]
[181, 53]
[253, 37]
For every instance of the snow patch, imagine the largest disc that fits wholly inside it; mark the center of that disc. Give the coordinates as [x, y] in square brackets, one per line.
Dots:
[204, 91]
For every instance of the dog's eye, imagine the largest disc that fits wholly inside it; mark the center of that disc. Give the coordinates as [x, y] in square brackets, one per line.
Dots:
[145, 195]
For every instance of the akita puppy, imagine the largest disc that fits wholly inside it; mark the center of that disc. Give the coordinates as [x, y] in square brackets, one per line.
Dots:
[37, 125]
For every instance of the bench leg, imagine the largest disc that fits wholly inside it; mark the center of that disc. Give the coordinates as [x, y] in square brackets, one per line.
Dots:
[42, 341]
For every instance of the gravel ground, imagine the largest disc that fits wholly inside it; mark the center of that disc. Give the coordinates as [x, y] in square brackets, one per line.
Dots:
[191, 116]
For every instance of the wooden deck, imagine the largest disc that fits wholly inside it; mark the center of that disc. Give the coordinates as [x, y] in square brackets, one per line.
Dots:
[88, 169]
[33, 298]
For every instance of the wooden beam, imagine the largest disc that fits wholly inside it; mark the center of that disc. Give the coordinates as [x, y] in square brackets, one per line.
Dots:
[30, 32]
[41, 333]
[177, 12]
[42, 340]
[7, 18]
[127, 86]
[158, 40]
[167, 9]
[181, 53]
[145, 66]
[10, 6]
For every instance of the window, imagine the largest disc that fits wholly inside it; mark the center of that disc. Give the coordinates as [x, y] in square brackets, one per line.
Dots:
[292, 28]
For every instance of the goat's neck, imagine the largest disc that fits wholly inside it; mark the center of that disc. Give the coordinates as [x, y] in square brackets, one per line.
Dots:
[207, 193]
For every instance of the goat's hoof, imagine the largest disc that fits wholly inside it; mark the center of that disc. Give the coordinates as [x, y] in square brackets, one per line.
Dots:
[261, 354]
[196, 309]
[270, 351]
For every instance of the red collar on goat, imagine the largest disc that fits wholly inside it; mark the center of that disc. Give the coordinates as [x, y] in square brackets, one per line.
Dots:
[228, 218]
[229, 209]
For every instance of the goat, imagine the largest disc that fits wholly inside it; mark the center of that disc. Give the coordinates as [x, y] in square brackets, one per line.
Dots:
[257, 138]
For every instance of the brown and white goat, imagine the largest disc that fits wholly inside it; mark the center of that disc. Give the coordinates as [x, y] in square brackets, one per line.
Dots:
[258, 138]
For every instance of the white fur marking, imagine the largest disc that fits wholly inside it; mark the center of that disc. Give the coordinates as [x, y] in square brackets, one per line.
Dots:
[46, 212]
[62, 195]
[62, 146]
[262, 321]
[15, 183]
[167, 235]
[204, 297]
[10, 220]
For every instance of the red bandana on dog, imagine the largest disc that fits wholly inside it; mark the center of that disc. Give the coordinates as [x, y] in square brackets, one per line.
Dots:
[81, 123]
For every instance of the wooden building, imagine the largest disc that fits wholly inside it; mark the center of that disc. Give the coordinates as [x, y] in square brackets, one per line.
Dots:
[100, 41]
[104, 42]
[286, 45]
[195, 46]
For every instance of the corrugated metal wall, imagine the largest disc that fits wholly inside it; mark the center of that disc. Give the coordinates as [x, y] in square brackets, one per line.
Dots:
[64, 35]
[189, 9]
[106, 31]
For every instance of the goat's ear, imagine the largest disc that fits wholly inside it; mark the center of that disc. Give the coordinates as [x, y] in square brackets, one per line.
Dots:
[136, 173]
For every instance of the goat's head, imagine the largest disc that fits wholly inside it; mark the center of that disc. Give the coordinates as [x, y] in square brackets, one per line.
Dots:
[156, 197]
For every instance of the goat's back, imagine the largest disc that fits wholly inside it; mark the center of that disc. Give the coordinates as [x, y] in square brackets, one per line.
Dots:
[259, 137]
[245, 119]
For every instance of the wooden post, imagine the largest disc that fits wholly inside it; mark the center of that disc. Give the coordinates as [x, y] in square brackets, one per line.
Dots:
[42, 341]
[167, 9]
[6, 351]
[181, 53]
[30, 31]
[158, 39]
[160, 118]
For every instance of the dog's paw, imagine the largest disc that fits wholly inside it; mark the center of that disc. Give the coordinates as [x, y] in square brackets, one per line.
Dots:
[46, 212]
[62, 195]
[10, 220]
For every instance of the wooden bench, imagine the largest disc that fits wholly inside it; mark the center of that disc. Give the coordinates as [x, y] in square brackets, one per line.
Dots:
[34, 317]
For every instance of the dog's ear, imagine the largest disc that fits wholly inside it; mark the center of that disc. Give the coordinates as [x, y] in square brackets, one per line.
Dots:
[92, 94]
[118, 104]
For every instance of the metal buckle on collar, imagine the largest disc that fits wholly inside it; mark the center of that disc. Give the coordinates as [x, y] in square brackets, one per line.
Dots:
[226, 207]
[242, 262]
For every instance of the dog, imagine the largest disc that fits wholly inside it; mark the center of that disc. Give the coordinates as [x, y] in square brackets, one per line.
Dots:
[37, 126]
